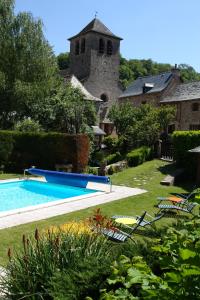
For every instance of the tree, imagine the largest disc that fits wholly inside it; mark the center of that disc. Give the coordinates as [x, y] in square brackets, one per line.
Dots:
[123, 117]
[146, 129]
[27, 65]
[188, 73]
[132, 69]
[63, 60]
[140, 125]
[71, 112]
[166, 114]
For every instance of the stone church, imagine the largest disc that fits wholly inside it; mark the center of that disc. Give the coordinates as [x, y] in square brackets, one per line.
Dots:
[94, 62]
[94, 68]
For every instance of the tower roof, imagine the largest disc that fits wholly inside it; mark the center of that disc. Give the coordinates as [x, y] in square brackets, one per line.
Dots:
[96, 26]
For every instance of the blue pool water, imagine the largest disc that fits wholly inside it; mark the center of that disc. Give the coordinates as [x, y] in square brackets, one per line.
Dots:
[14, 195]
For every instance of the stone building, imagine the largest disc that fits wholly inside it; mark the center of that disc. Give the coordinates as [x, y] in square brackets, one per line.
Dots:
[94, 61]
[168, 89]
[186, 98]
[150, 89]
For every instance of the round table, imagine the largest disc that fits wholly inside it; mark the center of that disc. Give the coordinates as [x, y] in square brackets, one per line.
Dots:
[126, 221]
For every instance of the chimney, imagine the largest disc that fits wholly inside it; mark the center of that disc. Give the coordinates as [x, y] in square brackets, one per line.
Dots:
[176, 71]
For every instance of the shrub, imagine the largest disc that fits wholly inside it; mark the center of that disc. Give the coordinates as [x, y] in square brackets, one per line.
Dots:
[64, 262]
[138, 156]
[182, 142]
[23, 149]
[92, 170]
[97, 158]
[111, 143]
[111, 170]
[28, 125]
[6, 147]
[75, 284]
[58, 252]
[112, 158]
[174, 273]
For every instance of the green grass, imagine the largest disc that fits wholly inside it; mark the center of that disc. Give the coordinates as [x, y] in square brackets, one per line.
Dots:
[9, 176]
[146, 176]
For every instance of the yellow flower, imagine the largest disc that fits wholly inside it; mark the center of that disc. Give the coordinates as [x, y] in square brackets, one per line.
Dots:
[72, 227]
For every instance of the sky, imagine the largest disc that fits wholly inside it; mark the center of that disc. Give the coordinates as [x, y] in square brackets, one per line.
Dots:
[167, 31]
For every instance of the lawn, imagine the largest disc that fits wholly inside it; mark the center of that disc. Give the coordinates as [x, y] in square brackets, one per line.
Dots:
[9, 176]
[146, 176]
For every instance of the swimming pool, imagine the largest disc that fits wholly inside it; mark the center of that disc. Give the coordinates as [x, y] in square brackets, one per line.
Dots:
[25, 193]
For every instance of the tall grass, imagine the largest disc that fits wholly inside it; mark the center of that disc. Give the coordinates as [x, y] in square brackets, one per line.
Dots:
[29, 271]
[50, 254]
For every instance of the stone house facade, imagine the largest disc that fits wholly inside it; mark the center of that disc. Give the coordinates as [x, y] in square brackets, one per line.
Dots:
[186, 98]
[151, 89]
[168, 89]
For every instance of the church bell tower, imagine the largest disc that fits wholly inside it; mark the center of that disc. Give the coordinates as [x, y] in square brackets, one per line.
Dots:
[94, 60]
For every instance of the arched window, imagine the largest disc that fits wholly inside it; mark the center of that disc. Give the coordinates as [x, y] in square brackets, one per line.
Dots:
[109, 47]
[195, 106]
[101, 46]
[83, 45]
[104, 97]
[77, 48]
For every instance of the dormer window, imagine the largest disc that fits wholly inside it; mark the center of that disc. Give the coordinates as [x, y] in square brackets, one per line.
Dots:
[109, 47]
[195, 106]
[147, 87]
[101, 46]
[83, 45]
[77, 47]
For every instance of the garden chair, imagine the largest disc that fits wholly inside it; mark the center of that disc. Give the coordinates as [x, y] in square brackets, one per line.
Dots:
[186, 207]
[130, 220]
[178, 198]
[118, 235]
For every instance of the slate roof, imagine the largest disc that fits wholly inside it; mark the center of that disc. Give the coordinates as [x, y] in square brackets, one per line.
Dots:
[159, 83]
[184, 92]
[97, 130]
[96, 26]
[77, 84]
[195, 150]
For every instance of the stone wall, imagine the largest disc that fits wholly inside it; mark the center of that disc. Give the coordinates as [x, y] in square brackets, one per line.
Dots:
[152, 99]
[186, 116]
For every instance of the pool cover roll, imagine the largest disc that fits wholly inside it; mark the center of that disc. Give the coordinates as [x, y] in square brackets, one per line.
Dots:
[72, 179]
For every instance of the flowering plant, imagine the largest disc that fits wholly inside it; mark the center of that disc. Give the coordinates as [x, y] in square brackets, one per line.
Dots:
[98, 221]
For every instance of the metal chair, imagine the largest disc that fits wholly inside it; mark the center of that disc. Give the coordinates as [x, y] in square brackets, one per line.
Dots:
[118, 235]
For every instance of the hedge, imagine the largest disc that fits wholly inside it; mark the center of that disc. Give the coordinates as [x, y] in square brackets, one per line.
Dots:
[20, 150]
[182, 142]
[138, 156]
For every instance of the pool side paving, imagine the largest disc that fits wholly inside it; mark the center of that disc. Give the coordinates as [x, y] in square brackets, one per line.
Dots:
[32, 214]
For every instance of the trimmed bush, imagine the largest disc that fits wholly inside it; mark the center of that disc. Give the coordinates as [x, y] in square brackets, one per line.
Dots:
[111, 143]
[182, 142]
[138, 156]
[19, 150]
[6, 147]
[92, 170]
[113, 158]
